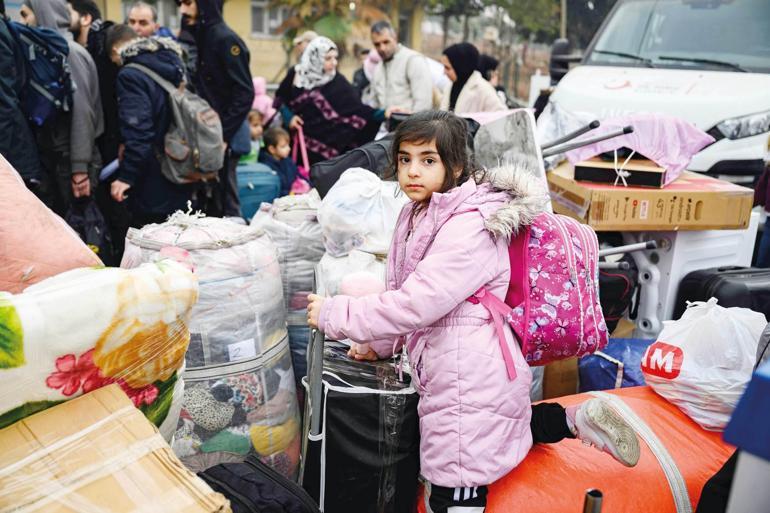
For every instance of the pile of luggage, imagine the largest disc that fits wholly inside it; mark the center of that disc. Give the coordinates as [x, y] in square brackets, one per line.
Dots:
[118, 385]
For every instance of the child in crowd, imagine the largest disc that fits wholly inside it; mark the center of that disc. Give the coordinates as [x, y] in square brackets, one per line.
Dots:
[263, 102]
[256, 130]
[276, 157]
[476, 424]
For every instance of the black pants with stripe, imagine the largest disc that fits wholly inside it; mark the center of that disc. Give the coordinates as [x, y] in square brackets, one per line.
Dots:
[443, 498]
[548, 426]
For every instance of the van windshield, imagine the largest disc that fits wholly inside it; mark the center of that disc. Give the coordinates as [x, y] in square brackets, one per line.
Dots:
[723, 35]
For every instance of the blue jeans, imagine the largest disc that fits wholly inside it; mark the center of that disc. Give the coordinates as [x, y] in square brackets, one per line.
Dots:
[763, 255]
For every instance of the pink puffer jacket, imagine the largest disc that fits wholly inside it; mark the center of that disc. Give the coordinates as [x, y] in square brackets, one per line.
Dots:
[474, 421]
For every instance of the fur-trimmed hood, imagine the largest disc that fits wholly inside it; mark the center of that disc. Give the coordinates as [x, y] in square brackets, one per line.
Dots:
[160, 54]
[528, 195]
[150, 45]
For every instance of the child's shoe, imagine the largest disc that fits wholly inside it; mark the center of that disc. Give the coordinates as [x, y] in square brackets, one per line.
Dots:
[597, 424]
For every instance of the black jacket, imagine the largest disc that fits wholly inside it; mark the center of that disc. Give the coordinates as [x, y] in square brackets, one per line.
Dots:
[108, 73]
[223, 75]
[17, 144]
[144, 115]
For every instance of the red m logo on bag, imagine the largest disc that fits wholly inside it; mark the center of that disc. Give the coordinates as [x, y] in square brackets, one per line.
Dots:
[662, 360]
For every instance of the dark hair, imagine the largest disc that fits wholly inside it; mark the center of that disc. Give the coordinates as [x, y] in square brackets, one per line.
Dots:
[382, 26]
[83, 7]
[116, 34]
[273, 136]
[487, 64]
[451, 135]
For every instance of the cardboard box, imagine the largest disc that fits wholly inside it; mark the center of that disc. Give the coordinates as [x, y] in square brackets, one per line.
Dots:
[96, 453]
[560, 378]
[692, 202]
[638, 173]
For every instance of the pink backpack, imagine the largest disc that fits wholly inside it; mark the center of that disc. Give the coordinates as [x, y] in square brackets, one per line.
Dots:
[553, 298]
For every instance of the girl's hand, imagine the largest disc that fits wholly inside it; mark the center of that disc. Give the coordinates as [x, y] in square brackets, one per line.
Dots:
[370, 356]
[314, 309]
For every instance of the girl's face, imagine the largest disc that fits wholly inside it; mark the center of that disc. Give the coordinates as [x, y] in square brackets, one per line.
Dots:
[330, 62]
[449, 71]
[420, 170]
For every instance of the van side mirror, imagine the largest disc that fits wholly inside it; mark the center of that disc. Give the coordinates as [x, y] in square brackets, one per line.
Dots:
[562, 57]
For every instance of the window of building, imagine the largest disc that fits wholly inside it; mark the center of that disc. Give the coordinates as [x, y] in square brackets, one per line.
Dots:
[265, 20]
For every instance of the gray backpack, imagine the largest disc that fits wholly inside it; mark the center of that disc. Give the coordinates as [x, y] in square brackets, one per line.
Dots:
[194, 149]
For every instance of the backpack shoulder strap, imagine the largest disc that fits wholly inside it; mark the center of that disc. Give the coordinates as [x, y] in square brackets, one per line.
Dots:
[165, 84]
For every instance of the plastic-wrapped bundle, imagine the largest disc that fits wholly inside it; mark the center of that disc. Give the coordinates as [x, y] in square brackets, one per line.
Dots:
[360, 212]
[87, 328]
[293, 228]
[247, 406]
[292, 225]
[358, 265]
[240, 310]
[239, 375]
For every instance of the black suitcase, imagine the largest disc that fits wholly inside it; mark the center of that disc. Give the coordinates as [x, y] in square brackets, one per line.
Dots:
[745, 287]
[361, 433]
[372, 156]
[253, 487]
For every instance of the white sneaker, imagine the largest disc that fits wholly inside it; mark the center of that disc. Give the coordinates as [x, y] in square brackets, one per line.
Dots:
[598, 425]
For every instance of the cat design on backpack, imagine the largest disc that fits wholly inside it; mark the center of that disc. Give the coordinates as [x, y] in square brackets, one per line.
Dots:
[48, 84]
[194, 148]
[552, 302]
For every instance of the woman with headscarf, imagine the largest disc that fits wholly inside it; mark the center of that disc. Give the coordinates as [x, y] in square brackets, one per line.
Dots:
[326, 105]
[469, 91]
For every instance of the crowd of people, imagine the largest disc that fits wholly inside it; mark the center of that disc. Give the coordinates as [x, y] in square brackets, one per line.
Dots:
[116, 110]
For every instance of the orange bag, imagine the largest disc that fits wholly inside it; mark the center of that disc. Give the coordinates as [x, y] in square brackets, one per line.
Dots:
[35, 243]
[554, 477]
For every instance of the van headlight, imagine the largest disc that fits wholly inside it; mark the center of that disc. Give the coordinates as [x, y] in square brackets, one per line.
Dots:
[745, 126]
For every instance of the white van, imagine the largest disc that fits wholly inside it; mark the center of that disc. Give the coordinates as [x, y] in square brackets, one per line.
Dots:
[706, 61]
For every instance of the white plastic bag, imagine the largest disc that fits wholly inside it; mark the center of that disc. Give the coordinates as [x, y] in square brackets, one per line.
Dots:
[703, 362]
[360, 212]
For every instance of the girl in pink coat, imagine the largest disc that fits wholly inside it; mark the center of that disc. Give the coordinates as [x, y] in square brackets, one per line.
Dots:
[475, 423]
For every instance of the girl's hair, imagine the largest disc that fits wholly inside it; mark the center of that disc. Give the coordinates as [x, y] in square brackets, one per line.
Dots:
[451, 135]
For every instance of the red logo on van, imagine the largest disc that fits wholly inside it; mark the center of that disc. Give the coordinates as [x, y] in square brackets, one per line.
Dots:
[663, 360]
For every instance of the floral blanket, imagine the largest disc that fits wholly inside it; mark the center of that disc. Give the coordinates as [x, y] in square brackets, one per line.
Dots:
[87, 328]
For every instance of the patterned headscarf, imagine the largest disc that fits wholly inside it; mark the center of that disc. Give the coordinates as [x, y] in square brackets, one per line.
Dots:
[310, 70]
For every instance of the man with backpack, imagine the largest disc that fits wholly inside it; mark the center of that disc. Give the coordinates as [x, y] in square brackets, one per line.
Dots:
[67, 139]
[224, 80]
[17, 144]
[145, 114]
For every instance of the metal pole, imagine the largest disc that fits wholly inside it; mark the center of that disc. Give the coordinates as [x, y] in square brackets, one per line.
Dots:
[577, 133]
[593, 501]
[563, 31]
[614, 266]
[630, 248]
[555, 150]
